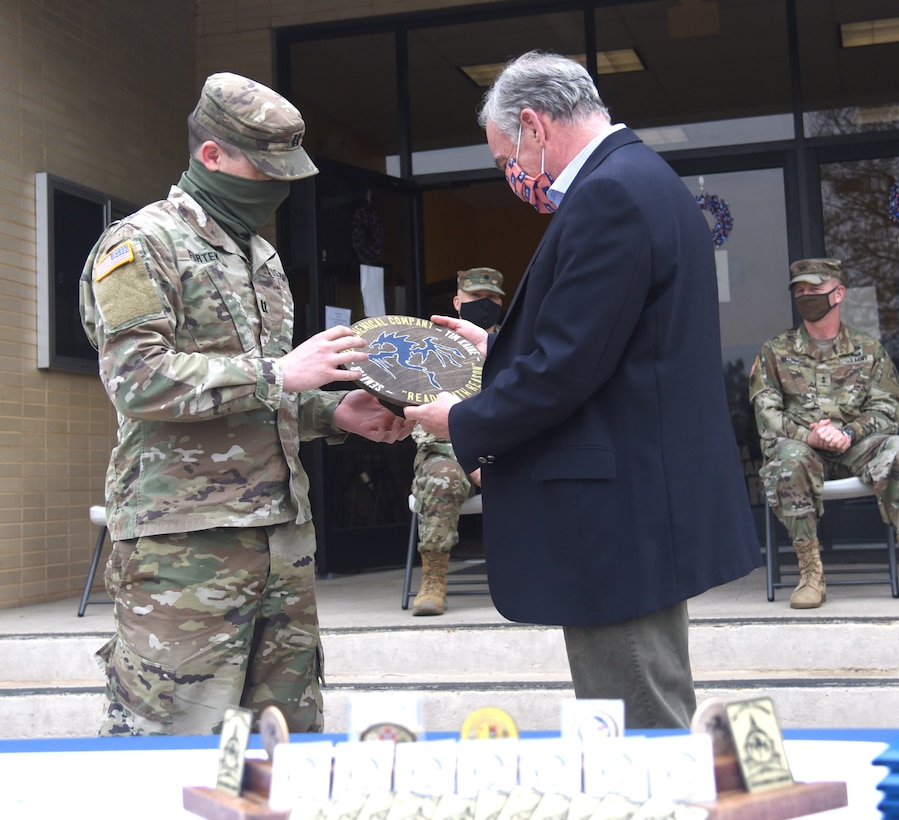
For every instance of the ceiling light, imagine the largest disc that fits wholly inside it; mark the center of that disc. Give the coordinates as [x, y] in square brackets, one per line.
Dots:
[870, 32]
[618, 61]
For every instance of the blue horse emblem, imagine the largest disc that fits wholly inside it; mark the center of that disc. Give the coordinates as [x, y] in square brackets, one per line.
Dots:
[394, 351]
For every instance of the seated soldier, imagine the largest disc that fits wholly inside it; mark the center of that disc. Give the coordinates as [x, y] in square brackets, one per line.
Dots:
[440, 485]
[826, 403]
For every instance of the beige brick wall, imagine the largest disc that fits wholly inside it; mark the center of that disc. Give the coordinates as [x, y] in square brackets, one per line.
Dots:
[95, 92]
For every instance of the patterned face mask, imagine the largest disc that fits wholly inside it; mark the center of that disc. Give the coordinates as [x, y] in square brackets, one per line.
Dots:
[533, 190]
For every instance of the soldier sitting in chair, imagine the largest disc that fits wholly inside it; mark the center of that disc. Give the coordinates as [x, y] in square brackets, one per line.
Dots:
[826, 401]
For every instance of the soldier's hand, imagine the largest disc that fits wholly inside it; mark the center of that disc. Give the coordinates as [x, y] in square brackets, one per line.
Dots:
[361, 413]
[318, 360]
[824, 436]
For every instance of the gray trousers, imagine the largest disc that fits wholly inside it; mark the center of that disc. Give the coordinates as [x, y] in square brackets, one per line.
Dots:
[644, 661]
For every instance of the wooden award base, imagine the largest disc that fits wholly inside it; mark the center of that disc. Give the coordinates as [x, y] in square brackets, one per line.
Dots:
[798, 800]
[733, 803]
[252, 804]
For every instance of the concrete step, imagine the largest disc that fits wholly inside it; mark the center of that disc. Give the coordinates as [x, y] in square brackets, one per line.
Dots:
[516, 652]
[70, 710]
[821, 672]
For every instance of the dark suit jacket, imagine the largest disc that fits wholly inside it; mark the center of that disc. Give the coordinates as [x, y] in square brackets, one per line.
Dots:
[611, 480]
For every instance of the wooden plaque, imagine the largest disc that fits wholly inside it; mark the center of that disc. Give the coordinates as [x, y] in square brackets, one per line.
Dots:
[412, 360]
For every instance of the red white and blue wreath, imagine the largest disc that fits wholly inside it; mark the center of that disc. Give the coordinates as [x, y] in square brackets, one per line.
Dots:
[723, 222]
[894, 203]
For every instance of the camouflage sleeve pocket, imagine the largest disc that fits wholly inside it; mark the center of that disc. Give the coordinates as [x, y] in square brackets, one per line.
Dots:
[144, 687]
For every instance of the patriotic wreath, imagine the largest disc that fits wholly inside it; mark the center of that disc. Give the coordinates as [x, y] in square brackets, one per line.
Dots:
[894, 202]
[724, 222]
[368, 236]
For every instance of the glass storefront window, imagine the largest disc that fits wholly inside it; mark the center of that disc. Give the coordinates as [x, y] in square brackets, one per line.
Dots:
[753, 271]
[444, 100]
[855, 199]
[852, 120]
[739, 131]
[345, 88]
[845, 90]
[728, 57]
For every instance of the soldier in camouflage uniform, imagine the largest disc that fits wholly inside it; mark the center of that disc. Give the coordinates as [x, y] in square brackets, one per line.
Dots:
[440, 485]
[212, 565]
[826, 403]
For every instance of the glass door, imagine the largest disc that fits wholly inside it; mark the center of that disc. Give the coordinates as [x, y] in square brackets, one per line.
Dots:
[747, 216]
[860, 226]
[860, 212]
[348, 227]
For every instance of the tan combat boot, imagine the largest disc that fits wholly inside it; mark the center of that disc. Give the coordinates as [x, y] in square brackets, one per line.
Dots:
[431, 598]
[811, 591]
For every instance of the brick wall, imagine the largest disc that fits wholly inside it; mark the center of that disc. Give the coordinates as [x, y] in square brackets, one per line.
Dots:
[95, 92]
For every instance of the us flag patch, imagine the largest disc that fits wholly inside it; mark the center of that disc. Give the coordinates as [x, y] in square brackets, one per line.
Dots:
[118, 256]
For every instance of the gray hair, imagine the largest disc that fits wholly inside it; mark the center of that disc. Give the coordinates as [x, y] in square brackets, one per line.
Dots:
[548, 83]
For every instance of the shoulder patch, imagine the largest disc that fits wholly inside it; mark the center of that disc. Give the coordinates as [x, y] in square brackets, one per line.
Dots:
[118, 256]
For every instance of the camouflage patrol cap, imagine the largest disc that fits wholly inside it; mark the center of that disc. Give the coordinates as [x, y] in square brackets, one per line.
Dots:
[266, 127]
[814, 271]
[481, 279]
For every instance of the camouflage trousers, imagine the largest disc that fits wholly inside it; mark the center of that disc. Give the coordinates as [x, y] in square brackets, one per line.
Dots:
[795, 473]
[211, 619]
[439, 486]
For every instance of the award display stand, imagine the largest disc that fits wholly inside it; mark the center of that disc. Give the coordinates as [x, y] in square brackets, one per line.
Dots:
[250, 804]
[733, 803]
[797, 800]
[751, 772]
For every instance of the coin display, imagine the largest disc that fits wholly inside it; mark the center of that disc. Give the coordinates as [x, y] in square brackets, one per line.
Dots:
[272, 729]
[489, 722]
[388, 731]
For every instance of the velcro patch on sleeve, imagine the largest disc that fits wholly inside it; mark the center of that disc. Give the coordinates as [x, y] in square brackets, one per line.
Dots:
[129, 297]
[118, 256]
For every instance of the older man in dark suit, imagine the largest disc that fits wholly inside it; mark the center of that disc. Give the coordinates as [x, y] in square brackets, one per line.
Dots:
[612, 486]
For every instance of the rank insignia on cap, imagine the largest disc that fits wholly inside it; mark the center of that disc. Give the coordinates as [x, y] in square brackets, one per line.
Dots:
[118, 256]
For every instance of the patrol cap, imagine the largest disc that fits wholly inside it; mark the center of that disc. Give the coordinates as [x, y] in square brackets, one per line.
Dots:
[481, 279]
[814, 271]
[266, 127]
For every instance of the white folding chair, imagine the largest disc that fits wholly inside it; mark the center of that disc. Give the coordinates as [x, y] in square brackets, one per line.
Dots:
[471, 506]
[98, 517]
[838, 489]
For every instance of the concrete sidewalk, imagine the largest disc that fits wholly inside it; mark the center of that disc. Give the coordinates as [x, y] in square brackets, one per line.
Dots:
[372, 599]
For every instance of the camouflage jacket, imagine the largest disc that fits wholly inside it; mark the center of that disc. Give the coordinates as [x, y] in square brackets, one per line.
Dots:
[793, 383]
[427, 444]
[189, 332]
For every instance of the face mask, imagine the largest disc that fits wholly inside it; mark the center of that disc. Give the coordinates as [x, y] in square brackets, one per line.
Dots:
[482, 312]
[814, 306]
[241, 206]
[532, 190]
